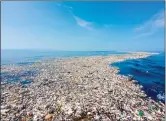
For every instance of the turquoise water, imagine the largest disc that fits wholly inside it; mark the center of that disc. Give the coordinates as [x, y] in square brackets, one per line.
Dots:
[149, 72]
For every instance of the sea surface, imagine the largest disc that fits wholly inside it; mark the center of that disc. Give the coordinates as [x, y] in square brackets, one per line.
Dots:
[24, 57]
[149, 72]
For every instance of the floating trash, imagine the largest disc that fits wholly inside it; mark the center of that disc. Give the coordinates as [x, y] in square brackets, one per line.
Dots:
[20, 76]
[161, 97]
[140, 113]
[130, 77]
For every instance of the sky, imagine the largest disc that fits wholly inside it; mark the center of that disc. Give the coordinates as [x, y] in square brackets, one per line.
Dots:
[83, 26]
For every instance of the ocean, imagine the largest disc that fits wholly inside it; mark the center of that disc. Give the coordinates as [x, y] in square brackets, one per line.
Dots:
[149, 72]
[17, 56]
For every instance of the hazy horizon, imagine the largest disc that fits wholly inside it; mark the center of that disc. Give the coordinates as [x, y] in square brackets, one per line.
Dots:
[52, 50]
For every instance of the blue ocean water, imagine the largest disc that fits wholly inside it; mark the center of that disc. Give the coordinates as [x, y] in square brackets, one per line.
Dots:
[21, 56]
[149, 72]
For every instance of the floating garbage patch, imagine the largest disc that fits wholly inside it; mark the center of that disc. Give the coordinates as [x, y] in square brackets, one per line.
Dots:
[77, 89]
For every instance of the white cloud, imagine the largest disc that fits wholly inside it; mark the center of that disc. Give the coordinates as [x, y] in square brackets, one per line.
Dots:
[151, 26]
[65, 6]
[79, 21]
[83, 23]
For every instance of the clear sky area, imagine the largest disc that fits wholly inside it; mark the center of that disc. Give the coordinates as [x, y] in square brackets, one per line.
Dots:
[83, 26]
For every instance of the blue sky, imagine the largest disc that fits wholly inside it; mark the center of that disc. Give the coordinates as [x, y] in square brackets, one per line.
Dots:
[121, 26]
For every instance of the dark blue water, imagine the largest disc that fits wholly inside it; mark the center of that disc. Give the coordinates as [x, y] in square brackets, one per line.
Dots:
[16, 56]
[149, 72]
